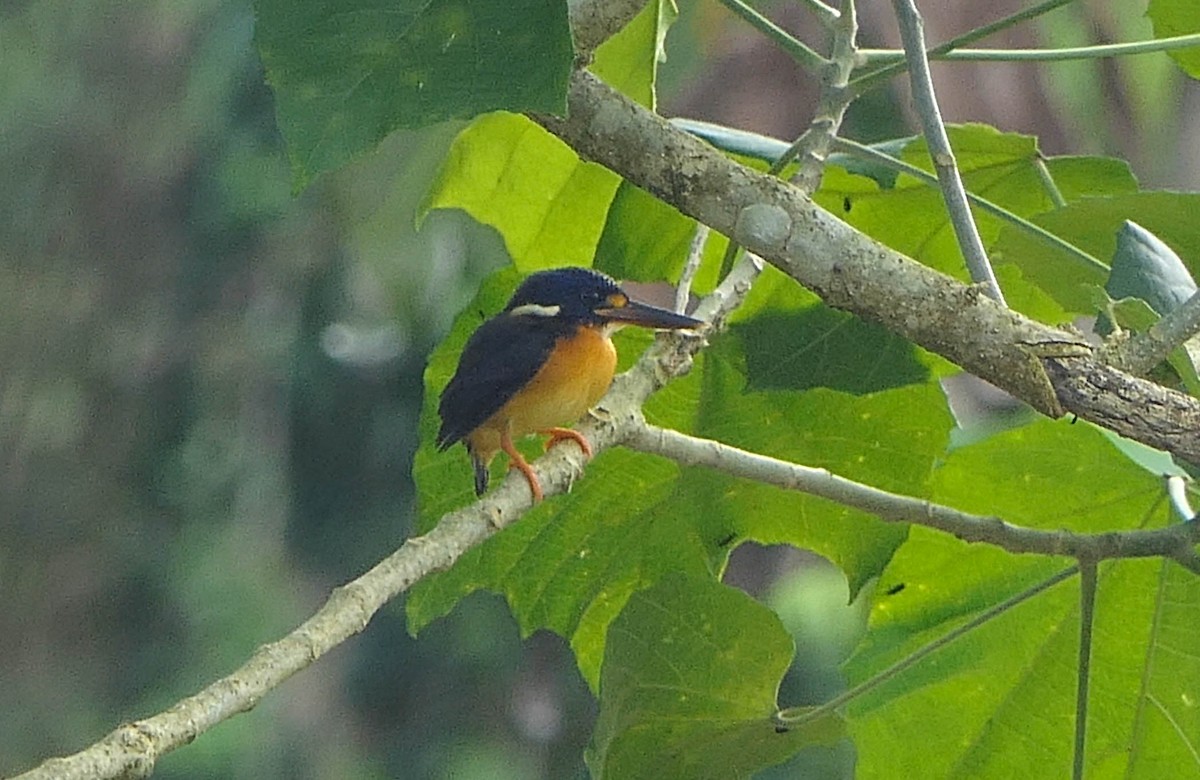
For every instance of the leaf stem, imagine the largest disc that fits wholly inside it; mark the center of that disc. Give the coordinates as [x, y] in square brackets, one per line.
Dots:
[866, 152]
[1048, 183]
[1177, 492]
[871, 78]
[1099, 51]
[796, 49]
[805, 715]
[1087, 620]
[826, 13]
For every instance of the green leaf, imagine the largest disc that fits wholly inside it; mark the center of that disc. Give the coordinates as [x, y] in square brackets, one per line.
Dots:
[1144, 267]
[1000, 167]
[1178, 17]
[547, 204]
[688, 687]
[508, 172]
[1015, 675]
[1092, 224]
[629, 60]
[1156, 462]
[347, 74]
[646, 240]
[1151, 282]
[889, 438]
[870, 409]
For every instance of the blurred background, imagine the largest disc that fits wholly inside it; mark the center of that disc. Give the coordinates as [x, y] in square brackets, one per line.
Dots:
[209, 388]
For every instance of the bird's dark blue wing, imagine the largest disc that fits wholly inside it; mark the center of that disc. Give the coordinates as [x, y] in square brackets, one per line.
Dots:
[499, 359]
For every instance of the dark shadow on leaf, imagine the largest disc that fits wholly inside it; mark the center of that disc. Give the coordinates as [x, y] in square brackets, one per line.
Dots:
[821, 347]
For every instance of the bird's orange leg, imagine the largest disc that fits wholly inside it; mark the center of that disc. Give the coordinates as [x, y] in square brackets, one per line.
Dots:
[516, 460]
[561, 434]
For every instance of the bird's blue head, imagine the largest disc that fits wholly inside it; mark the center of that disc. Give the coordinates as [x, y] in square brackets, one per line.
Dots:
[588, 297]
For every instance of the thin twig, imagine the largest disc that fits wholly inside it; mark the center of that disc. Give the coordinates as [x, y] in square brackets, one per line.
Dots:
[1087, 620]
[1146, 350]
[1048, 183]
[796, 49]
[813, 146]
[867, 153]
[868, 80]
[690, 267]
[1099, 51]
[1174, 541]
[793, 717]
[828, 15]
[913, 35]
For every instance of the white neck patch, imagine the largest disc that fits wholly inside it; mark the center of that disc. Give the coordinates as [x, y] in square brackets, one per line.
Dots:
[536, 310]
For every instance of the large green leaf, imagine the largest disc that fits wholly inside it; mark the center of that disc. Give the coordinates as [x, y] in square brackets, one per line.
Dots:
[347, 74]
[1147, 272]
[1144, 267]
[688, 689]
[1092, 224]
[1178, 17]
[1013, 680]
[507, 172]
[645, 239]
[1000, 167]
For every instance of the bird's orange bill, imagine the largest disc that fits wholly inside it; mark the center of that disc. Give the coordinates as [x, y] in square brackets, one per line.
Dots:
[647, 316]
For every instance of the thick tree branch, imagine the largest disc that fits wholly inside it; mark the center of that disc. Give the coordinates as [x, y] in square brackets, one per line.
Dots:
[851, 271]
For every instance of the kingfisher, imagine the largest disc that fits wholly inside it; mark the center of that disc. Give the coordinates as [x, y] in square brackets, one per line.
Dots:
[540, 364]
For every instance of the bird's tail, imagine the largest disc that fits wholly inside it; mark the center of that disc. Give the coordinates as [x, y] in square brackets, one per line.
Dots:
[481, 474]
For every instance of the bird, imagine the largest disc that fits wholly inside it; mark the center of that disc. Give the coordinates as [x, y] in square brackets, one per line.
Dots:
[540, 364]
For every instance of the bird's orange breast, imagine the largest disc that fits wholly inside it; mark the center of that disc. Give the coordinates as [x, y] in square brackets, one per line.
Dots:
[573, 379]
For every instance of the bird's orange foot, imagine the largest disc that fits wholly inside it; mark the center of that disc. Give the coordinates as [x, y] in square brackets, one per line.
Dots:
[516, 461]
[563, 434]
[535, 487]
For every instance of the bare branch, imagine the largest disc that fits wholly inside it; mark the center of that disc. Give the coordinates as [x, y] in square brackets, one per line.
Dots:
[1174, 541]
[691, 266]
[1146, 350]
[912, 33]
